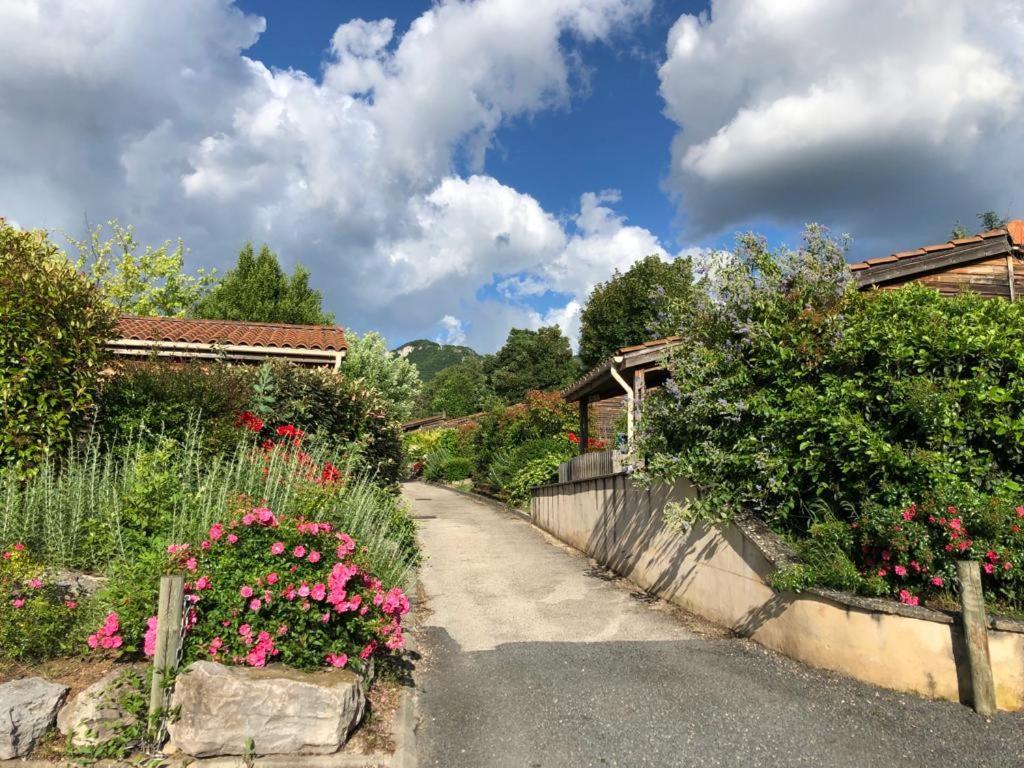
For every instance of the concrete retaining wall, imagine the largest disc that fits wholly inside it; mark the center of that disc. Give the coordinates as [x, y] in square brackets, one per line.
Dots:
[721, 573]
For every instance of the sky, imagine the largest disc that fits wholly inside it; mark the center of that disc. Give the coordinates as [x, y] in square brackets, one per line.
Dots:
[453, 169]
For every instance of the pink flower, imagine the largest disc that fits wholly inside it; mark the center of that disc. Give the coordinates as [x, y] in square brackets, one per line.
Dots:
[282, 630]
[299, 551]
[304, 590]
[318, 592]
[337, 659]
[955, 524]
[271, 578]
[367, 652]
[347, 545]
[314, 556]
[245, 591]
[111, 624]
[18, 602]
[899, 570]
[907, 598]
[191, 564]
[149, 639]
[937, 581]
[991, 556]
[203, 583]
[205, 545]
[277, 548]
[216, 531]
[93, 641]
[988, 568]
[232, 538]
[255, 604]
[396, 641]
[288, 593]
[70, 605]
[19, 547]
[35, 583]
[215, 645]
[245, 630]
[248, 518]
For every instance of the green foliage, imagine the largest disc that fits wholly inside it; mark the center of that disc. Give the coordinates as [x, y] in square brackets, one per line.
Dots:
[430, 358]
[509, 460]
[456, 468]
[169, 400]
[54, 325]
[258, 290]
[101, 509]
[532, 360]
[535, 472]
[541, 415]
[792, 391]
[345, 410]
[458, 390]
[650, 300]
[153, 282]
[392, 375]
[37, 619]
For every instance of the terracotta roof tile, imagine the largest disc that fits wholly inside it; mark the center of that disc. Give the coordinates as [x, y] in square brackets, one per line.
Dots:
[1014, 230]
[228, 332]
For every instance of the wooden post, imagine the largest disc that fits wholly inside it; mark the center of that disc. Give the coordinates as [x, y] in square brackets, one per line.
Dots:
[168, 638]
[584, 424]
[976, 634]
[1010, 277]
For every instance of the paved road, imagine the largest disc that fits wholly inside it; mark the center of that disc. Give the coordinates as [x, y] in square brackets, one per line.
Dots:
[533, 659]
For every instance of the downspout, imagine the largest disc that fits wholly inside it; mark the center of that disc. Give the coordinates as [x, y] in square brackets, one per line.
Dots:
[629, 399]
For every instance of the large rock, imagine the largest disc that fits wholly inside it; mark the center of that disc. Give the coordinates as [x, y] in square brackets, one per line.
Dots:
[282, 710]
[27, 710]
[96, 714]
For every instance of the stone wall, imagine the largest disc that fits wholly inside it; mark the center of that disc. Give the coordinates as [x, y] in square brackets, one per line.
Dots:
[721, 573]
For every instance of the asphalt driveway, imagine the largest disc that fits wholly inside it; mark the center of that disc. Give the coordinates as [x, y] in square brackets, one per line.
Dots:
[532, 658]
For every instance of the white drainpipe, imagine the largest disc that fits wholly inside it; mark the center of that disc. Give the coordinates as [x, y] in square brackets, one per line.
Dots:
[629, 399]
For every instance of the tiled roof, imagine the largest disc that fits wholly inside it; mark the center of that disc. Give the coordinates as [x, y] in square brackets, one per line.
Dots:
[1014, 231]
[226, 332]
[631, 356]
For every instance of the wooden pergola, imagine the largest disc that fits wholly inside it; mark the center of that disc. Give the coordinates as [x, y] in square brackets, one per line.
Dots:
[631, 371]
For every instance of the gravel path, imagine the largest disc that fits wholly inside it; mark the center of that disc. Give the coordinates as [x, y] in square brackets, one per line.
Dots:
[534, 659]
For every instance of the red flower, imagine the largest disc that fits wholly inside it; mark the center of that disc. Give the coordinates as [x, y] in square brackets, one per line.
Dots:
[573, 438]
[250, 421]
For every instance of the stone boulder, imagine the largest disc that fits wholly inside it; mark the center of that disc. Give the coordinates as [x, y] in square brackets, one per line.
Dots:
[28, 709]
[96, 714]
[282, 710]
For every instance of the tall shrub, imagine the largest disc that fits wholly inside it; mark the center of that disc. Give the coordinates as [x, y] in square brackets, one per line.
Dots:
[54, 323]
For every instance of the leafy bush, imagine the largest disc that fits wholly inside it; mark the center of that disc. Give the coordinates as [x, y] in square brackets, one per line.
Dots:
[541, 415]
[51, 349]
[456, 468]
[510, 461]
[37, 620]
[303, 593]
[170, 400]
[536, 472]
[99, 508]
[341, 408]
[793, 390]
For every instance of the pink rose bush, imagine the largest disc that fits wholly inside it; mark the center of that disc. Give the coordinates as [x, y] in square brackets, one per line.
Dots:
[914, 551]
[37, 618]
[287, 590]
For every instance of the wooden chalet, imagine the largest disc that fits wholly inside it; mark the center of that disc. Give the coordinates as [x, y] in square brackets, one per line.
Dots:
[989, 263]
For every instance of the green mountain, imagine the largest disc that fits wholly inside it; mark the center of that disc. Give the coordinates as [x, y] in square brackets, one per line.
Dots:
[431, 358]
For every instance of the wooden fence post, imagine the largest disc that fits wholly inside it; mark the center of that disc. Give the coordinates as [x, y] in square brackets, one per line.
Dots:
[168, 639]
[976, 634]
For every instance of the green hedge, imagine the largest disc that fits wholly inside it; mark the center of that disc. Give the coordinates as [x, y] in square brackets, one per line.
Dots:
[54, 323]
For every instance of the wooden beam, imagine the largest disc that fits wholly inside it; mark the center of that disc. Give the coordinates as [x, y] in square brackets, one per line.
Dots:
[928, 263]
[976, 634]
[1010, 277]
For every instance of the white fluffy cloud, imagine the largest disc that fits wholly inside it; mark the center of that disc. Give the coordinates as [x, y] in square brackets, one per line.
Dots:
[151, 112]
[890, 118]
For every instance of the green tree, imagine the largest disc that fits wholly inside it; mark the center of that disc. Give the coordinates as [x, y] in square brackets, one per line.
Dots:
[54, 323]
[397, 380]
[988, 219]
[647, 301]
[540, 359]
[258, 290]
[457, 390]
[152, 282]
